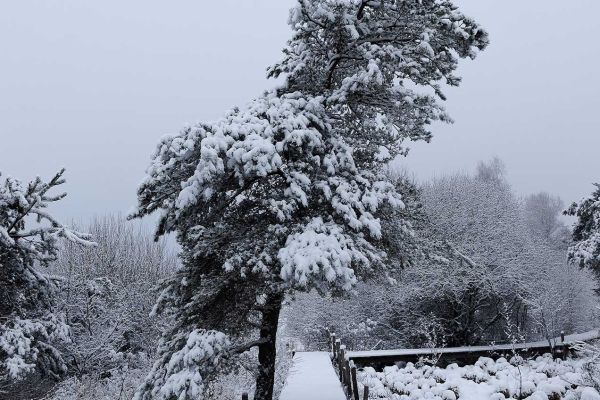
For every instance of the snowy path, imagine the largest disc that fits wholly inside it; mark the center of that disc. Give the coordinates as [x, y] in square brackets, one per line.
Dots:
[312, 377]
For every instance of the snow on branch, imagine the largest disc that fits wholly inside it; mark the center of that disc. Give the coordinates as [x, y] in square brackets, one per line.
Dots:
[586, 234]
[322, 252]
[181, 375]
[29, 237]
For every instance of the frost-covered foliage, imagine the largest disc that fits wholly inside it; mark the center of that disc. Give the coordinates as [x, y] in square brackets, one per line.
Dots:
[185, 367]
[119, 385]
[107, 294]
[485, 221]
[478, 274]
[586, 233]
[299, 170]
[29, 239]
[542, 378]
[23, 341]
[542, 212]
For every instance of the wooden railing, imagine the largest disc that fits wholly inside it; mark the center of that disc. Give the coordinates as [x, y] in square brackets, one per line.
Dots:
[345, 368]
[560, 347]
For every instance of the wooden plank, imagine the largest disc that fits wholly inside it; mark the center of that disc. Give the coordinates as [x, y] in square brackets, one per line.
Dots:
[354, 383]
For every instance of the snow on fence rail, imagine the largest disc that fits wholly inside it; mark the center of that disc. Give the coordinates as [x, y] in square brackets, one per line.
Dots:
[559, 347]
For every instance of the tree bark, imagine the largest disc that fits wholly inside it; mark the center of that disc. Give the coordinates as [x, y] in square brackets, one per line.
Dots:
[267, 351]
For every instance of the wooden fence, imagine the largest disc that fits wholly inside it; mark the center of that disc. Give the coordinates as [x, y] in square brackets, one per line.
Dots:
[346, 368]
[560, 347]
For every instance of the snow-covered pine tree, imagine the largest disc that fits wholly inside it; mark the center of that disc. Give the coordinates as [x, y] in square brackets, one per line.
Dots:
[284, 194]
[29, 238]
[586, 233]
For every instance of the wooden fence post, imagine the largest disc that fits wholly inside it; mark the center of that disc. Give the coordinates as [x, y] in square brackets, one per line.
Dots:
[564, 350]
[354, 382]
[341, 358]
[366, 393]
[244, 396]
[333, 345]
[348, 376]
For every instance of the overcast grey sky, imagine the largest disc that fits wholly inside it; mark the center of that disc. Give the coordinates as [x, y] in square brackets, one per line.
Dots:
[93, 85]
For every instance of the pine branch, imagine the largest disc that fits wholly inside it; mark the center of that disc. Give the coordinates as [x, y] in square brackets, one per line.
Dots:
[54, 182]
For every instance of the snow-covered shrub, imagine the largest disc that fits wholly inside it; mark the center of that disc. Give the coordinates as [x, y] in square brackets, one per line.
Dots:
[591, 365]
[231, 385]
[119, 385]
[542, 378]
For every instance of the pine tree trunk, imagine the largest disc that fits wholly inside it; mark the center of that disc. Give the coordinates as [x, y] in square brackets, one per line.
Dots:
[267, 351]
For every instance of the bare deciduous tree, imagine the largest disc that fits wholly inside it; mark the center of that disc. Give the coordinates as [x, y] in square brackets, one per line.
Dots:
[107, 294]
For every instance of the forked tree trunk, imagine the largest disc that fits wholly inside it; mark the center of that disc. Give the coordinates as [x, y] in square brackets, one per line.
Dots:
[267, 351]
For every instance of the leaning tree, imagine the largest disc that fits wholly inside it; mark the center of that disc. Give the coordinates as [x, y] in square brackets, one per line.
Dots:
[287, 192]
[29, 238]
[585, 252]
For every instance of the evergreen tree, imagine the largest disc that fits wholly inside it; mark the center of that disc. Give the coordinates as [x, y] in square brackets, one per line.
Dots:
[586, 233]
[286, 193]
[29, 238]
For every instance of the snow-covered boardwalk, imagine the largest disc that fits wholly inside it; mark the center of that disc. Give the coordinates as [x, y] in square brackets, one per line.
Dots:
[312, 377]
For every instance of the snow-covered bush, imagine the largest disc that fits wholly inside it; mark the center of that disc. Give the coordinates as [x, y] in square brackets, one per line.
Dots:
[542, 378]
[30, 327]
[591, 365]
[119, 385]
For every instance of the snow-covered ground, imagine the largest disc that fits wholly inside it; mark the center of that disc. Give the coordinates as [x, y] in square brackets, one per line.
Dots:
[539, 379]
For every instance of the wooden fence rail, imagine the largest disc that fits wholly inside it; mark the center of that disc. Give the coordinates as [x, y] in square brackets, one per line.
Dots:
[560, 347]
